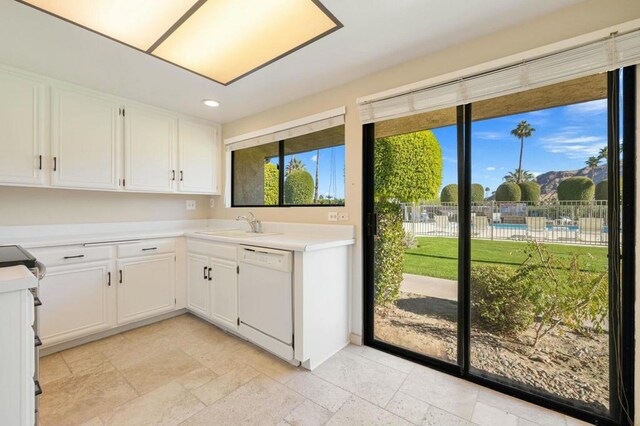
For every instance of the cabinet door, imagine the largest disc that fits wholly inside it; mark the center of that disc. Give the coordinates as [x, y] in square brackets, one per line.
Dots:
[199, 158]
[198, 283]
[224, 292]
[85, 132]
[75, 301]
[22, 130]
[149, 145]
[147, 287]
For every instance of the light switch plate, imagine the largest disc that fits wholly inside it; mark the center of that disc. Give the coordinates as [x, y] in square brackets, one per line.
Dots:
[332, 216]
[191, 204]
[212, 203]
[343, 216]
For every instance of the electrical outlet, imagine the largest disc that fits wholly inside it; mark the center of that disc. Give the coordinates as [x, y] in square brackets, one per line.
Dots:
[332, 217]
[191, 204]
[212, 203]
[343, 216]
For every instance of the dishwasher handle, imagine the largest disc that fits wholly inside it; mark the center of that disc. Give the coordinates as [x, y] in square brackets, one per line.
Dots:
[267, 258]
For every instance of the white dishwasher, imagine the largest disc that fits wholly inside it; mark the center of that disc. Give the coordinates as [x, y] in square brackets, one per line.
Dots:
[265, 299]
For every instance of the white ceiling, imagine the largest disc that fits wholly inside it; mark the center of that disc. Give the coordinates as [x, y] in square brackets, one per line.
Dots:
[377, 34]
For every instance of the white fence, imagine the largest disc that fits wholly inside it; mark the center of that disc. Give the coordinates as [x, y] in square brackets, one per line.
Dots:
[568, 222]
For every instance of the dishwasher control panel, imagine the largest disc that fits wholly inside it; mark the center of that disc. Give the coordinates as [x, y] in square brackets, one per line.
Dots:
[266, 257]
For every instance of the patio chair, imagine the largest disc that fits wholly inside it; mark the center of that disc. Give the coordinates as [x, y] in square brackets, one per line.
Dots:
[442, 224]
[590, 229]
[536, 228]
[479, 225]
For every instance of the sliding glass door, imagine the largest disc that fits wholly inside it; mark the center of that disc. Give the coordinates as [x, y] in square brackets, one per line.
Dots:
[494, 247]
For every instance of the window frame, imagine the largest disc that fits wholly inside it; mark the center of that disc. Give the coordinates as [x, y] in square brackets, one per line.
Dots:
[281, 167]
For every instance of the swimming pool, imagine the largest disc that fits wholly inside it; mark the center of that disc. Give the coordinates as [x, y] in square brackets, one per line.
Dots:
[517, 226]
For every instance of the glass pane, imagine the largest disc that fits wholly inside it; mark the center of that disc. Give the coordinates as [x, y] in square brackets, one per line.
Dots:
[539, 283]
[416, 246]
[255, 176]
[314, 168]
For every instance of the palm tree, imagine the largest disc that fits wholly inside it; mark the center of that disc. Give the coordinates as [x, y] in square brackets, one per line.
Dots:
[315, 191]
[522, 131]
[592, 162]
[518, 176]
[295, 164]
[604, 152]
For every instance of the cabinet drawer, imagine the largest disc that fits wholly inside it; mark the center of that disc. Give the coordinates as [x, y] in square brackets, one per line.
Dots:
[220, 251]
[71, 254]
[145, 248]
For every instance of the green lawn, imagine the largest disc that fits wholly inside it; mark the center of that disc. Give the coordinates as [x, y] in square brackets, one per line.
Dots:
[438, 256]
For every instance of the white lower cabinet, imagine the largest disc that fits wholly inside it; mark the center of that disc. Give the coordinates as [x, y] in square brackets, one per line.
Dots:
[212, 282]
[198, 283]
[76, 301]
[146, 287]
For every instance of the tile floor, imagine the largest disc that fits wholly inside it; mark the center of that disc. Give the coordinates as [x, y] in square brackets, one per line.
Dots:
[184, 371]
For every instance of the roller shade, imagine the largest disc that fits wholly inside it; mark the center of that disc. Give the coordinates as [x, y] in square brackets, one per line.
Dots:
[291, 129]
[603, 55]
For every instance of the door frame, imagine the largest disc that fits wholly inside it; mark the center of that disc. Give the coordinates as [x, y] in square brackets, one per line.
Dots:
[622, 327]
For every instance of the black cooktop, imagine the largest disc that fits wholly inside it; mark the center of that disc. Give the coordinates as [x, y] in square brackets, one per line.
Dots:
[16, 255]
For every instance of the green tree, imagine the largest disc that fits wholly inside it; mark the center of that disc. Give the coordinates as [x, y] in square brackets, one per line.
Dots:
[576, 188]
[603, 153]
[295, 164]
[592, 163]
[449, 194]
[477, 193]
[530, 191]
[270, 184]
[298, 188]
[508, 191]
[408, 168]
[315, 189]
[602, 190]
[522, 131]
[517, 176]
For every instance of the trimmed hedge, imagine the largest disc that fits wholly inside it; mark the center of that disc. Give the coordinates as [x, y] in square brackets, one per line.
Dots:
[270, 184]
[477, 193]
[408, 167]
[508, 191]
[576, 188]
[602, 191]
[298, 188]
[389, 253]
[529, 191]
[449, 193]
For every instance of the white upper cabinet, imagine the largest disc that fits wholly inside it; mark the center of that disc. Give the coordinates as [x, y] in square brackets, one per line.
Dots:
[22, 130]
[85, 137]
[150, 140]
[199, 154]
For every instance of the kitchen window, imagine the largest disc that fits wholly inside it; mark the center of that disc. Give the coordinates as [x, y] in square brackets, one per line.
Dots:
[302, 170]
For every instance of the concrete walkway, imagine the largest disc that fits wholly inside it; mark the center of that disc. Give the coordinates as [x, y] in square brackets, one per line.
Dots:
[429, 286]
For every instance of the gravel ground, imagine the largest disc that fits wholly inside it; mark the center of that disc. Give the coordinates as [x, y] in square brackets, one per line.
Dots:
[567, 364]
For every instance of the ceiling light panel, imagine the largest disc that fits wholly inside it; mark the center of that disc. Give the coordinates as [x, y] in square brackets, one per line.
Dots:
[226, 39]
[138, 23]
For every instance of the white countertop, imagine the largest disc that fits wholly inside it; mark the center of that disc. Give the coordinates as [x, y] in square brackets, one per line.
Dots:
[294, 241]
[15, 278]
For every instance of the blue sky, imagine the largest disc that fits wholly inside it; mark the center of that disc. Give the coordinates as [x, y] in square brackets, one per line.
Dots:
[564, 138]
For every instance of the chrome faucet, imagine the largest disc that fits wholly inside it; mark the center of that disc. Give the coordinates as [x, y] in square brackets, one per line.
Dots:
[255, 224]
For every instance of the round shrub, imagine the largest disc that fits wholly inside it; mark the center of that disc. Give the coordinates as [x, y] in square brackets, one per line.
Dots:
[477, 193]
[576, 188]
[602, 191]
[298, 188]
[499, 304]
[408, 167]
[508, 191]
[530, 191]
[389, 253]
[270, 184]
[449, 194]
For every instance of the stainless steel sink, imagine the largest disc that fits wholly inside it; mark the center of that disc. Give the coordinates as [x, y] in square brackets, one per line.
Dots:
[237, 233]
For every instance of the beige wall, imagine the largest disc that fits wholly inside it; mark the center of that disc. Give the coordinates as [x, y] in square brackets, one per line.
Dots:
[580, 19]
[36, 206]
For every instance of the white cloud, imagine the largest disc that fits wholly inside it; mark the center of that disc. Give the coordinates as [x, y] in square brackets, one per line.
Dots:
[491, 168]
[535, 174]
[570, 142]
[491, 136]
[314, 158]
[449, 159]
[593, 107]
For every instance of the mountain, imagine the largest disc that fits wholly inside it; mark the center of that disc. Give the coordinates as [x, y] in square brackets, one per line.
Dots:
[549, 181]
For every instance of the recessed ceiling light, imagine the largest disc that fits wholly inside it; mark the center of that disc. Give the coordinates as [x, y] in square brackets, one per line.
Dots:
[211, 103]
[223, 40]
